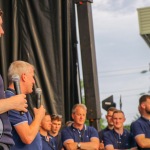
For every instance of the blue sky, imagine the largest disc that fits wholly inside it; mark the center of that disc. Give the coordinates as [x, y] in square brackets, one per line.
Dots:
[121, 53]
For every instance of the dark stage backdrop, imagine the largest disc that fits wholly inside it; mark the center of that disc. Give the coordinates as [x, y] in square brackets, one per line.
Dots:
[43, 33]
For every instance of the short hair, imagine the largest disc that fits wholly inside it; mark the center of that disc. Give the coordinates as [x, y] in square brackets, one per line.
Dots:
[78, 105]
[143, 98]
[18, 67]
[118, 111]
[112, 109]
[56, 117]
[1, 12]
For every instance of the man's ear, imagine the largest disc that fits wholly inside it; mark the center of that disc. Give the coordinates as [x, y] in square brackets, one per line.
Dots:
[23, 77]
[143, 105]
[124, 119]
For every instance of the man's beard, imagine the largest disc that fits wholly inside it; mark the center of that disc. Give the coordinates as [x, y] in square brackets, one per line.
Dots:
[147, 111]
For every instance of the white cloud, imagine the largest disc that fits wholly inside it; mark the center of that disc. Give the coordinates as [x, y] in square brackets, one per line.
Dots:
[119, 6]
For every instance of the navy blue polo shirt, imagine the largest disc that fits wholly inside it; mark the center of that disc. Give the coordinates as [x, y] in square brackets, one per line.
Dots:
[77, 135]
[5, 127]
[57, 140]
[48, 143]
[15, 119]
[101, 133]
[141, 126]
[124, 141]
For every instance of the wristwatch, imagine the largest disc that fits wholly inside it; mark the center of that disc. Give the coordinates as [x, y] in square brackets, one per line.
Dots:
[78, 145]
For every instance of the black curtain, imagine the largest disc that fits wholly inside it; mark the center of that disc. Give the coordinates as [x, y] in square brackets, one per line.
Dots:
[43, 33]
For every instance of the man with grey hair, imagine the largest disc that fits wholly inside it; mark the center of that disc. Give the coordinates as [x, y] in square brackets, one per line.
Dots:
[78, 135]
[25, 130]
[18, 103]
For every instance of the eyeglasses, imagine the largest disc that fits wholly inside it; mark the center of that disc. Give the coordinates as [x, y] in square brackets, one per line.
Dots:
[56, 116]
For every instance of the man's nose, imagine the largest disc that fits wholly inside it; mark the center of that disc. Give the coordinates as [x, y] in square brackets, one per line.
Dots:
[33, 81]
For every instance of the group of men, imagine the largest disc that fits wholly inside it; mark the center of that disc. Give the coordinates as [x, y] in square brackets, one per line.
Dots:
[19, 131]
[49, 131]
[22, 132]
[114, 136]
[25, 130]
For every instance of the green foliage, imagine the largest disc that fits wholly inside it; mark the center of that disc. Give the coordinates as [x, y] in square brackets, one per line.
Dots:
[83, 99]
[87, 122]
[82, 84]
[127, 127]
[82, 92]
[135, 118]
[102, 123]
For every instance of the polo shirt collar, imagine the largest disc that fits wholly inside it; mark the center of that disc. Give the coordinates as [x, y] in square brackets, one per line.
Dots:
[116, 133]
[83, 129]
[145, 119]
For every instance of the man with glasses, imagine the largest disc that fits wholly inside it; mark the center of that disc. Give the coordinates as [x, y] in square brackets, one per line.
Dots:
[18, 103]
[55, 130]
[78, 135]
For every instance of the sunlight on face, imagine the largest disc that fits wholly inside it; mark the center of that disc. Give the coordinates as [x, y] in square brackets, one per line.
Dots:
[46, 123]
[30, 81]
[79, 116]
[56, 125]
[118, 120]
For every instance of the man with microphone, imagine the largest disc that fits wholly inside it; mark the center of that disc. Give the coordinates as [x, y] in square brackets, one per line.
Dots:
[17, 103]
[25, 130]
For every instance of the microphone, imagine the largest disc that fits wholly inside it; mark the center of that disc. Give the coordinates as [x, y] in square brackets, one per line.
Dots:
[16, 81]
[38, 92]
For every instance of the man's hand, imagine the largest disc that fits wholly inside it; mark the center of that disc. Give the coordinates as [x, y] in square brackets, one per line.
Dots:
[72, 146]
[101, 146]
[39, 113]
[30, 131]
[19, 102]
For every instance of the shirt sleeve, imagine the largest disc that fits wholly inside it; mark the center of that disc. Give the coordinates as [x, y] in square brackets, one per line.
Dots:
[65, 135]
[15, 117]
[136, 129]
[93, 132]
[132, 141]
[107, 139]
